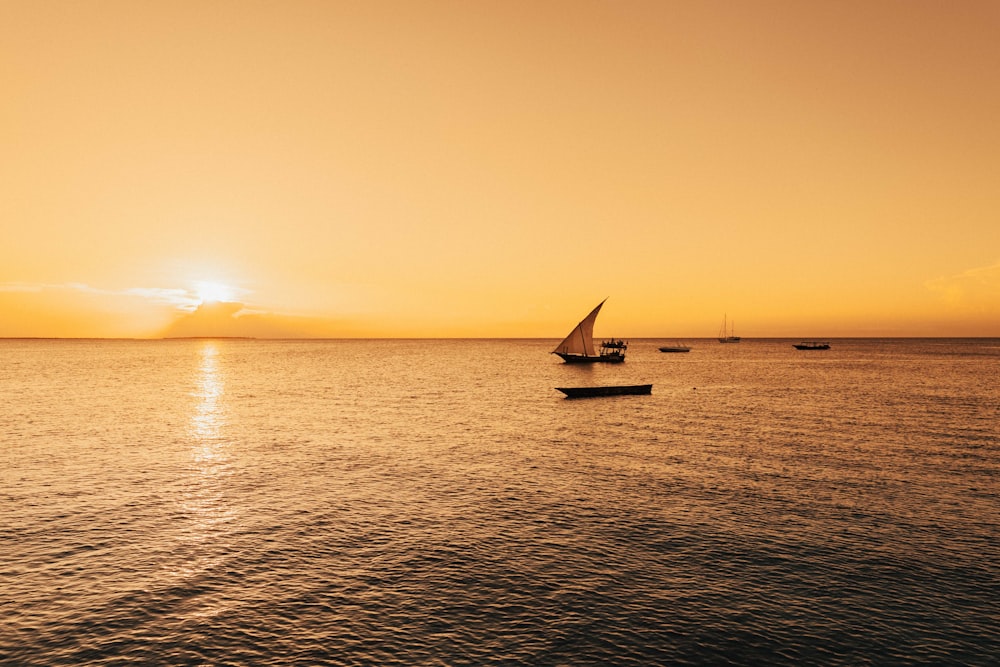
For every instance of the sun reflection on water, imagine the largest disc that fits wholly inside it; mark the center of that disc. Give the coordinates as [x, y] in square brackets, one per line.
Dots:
[204, 500]
[208, 418]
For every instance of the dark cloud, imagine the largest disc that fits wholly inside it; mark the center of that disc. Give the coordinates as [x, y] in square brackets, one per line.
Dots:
[228, 319]
[231, 319]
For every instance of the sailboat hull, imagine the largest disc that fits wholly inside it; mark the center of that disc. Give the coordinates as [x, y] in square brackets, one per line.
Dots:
[591, 359]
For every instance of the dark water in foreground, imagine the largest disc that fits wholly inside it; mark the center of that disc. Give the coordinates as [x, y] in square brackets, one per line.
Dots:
[438, 503]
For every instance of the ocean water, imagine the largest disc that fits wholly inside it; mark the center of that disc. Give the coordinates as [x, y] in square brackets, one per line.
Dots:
[415, 502]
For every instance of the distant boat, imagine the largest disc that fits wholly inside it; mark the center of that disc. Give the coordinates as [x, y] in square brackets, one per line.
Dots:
[616, 390]
[677, 346]
[578, 346]
[812, 345]
[729, 337]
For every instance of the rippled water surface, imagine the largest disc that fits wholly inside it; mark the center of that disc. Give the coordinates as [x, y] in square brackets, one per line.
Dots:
[236, 502]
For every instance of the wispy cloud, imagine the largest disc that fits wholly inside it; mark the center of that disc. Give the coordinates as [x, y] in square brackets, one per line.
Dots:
[975, 288]
[22, 287]
[179, 298]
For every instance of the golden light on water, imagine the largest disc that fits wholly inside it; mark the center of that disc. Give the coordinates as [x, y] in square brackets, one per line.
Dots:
[204, 499]
[208, 416]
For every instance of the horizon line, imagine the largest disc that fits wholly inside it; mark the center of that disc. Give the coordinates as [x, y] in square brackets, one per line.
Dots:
[322, 338]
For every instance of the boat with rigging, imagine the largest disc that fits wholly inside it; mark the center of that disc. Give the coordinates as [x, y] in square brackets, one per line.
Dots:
[578, 346]
[812, 345]
[730, 336]
[608, 390]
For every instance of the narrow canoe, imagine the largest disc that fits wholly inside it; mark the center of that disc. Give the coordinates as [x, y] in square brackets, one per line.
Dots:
[615, 390]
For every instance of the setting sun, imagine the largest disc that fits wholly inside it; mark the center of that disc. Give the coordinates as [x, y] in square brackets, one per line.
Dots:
[212, 292]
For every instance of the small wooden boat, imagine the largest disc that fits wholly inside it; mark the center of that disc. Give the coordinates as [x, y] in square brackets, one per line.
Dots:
[614, 390]
[676, 347]
[812, 345]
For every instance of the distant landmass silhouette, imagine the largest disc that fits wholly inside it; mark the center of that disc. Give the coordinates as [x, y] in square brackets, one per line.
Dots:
[224, 319]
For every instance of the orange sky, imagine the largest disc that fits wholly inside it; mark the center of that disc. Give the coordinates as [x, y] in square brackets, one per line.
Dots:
[497, 168]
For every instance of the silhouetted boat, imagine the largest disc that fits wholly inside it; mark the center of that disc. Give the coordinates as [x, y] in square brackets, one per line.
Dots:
[812, 345]
[676, 347]
[731, 337]
[578, 346]
[616, 390]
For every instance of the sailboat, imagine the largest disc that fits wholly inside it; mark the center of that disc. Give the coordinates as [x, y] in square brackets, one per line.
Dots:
[731, 337]
[578, 346]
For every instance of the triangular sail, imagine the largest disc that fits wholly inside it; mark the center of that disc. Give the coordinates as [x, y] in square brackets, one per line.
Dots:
[581, 339]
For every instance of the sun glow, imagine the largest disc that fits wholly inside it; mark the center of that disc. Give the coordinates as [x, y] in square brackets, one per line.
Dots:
[211, 292]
